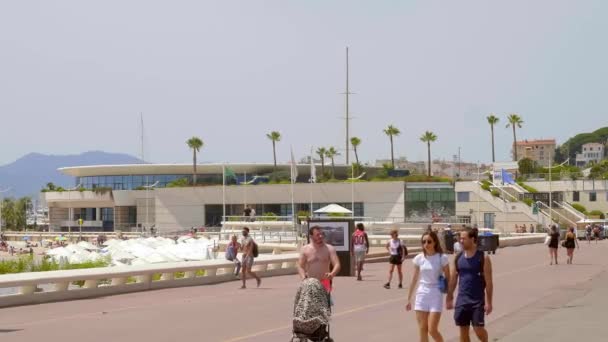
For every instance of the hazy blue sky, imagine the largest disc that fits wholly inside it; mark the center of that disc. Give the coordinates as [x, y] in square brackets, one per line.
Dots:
[74, 75]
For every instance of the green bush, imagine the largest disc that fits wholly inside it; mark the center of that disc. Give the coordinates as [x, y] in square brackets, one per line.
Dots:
[527, 187]
[528, 201]
[178, 183]
[269, 217]
[597, 213]
[486, 185]
[495, 193]
[579, 207]
[28, 264]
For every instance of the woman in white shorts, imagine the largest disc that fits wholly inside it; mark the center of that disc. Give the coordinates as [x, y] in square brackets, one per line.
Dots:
[429, 266]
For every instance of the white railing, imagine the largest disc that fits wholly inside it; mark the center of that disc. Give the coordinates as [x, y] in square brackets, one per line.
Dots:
[569, 208]
[542, 205]
[116, 280]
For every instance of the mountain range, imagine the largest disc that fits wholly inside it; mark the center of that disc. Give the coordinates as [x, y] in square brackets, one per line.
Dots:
[29, 174]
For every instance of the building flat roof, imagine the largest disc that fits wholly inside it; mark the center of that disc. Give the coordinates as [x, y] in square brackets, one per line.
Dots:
[536, 142]
[186, 169]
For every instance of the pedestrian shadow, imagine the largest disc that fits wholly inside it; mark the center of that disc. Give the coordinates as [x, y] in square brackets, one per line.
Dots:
[5, 331]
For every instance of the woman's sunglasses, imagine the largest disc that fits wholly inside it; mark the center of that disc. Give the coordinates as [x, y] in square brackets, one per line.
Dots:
[427, 242]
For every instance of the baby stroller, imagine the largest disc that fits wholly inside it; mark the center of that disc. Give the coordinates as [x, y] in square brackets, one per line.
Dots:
[311, 312]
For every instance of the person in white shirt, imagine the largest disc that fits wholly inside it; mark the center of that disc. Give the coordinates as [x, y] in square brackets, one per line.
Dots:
[430, 266]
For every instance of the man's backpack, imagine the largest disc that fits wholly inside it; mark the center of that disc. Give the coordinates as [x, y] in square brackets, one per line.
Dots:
[255, 251]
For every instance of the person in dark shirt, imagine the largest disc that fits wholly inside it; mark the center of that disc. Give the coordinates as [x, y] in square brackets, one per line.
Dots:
[472, 272]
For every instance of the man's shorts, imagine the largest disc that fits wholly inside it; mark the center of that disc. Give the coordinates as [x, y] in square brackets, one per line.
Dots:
[248, 262]
[360, 256]
[470, 314]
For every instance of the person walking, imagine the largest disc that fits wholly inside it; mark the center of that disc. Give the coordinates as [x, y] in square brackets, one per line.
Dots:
[359, 248]
[553, 244]
[570, 243]
[431, 269]
[398, 252]
[249, 248]
[588, 231]
[472, 272]
[318, 259]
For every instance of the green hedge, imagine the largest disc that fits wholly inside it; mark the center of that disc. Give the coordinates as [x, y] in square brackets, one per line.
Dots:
[597, 213]
[579, 207]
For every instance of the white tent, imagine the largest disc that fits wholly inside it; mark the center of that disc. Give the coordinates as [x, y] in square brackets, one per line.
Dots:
[333, 209]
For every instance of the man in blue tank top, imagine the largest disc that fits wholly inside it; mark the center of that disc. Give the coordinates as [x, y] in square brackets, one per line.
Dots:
[472, 272]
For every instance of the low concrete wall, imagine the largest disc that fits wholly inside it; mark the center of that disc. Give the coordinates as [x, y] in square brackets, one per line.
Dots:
[118, 280]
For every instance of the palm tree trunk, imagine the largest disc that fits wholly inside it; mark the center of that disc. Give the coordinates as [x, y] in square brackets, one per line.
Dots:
[392, 155]
[356, 155]
[429, 157]
[274, 153]
[322, 167]
[514, 144]
[194, 166]
[493, 158]
[333, 168]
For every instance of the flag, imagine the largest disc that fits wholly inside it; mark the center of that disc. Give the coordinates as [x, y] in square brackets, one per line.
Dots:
[313, 169]
[228, 172]
[507, 178]
[294, 168]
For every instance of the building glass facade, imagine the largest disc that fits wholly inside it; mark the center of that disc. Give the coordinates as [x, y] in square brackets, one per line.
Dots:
[425, 202]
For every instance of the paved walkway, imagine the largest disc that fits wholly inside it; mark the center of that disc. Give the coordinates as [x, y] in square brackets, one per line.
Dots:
[533, 302]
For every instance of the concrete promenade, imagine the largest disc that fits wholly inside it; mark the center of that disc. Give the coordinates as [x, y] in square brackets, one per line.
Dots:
[533, 302]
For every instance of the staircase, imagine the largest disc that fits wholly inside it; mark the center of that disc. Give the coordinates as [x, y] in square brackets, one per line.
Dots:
[570, 211]
[556, 214]
[509, 203]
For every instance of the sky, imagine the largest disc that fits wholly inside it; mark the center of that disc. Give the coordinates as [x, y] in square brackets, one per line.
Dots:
[75, 76]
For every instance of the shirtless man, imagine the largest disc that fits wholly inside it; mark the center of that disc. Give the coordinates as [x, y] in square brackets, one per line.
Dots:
[247, 248]
[317, 257]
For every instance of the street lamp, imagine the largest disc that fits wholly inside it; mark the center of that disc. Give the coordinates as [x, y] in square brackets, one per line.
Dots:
[2, 191]
[70, 211]
[148, 187]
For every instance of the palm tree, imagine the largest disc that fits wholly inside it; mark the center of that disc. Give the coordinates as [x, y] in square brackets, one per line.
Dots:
[492, 120]
[428, 137]
[355, 141]
[392, 131]
[195, 143]
[331, 153]
[514, 121]
[274, 136]
[321, 151]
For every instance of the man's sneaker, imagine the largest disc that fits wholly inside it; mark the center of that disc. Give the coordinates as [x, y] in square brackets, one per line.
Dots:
[387, 286]
[400, 286]
[359, 278]
[259, 281]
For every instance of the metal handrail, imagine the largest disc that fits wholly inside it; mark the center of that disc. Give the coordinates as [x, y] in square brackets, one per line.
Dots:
[568, 207]
[541, 204]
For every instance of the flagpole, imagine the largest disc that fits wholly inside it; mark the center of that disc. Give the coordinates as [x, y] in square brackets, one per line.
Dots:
[312, 179]
[245, 190]
[223, 194]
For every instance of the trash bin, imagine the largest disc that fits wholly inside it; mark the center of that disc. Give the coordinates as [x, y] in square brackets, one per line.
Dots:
[488, 243]
[449, 241]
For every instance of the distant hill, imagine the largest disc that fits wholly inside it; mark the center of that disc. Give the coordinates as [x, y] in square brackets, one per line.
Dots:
[30, 173]
[574, 144]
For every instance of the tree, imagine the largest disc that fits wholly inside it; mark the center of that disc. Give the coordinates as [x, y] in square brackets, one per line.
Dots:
[50, 186]
[515, 121]
[195, 143]
[274, 136]
[392, 131]
[355, 141]
[526, 166]
[428, 137]
[331, 153]
[492, 120]
[321, 151]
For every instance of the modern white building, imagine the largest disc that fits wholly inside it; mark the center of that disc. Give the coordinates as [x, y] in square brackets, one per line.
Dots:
[590, 153]
[130, 197]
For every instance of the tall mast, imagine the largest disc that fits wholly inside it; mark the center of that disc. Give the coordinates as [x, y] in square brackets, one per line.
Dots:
[347, 93]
